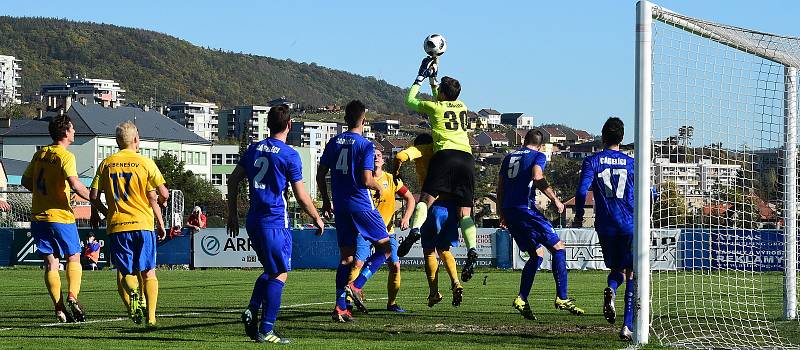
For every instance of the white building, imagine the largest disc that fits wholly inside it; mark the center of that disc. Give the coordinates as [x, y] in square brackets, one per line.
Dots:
[389, 127]
[492, 117]
[199, 117]
[9, 80]
[695, 179]
[517, 120]
[232, 122]
[313, 135]
[60, 96]
[95, 138]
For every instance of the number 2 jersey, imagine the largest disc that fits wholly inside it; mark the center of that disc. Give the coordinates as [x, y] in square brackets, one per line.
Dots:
[517, 173]
[127, 177]
[347, 155]
[271, 165]
[448, 121]
[610, 175]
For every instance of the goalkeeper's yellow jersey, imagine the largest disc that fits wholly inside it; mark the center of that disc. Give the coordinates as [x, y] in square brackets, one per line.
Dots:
[421, 155]
[386, 204]
[448, 121]
[49, 169]
[127, 177]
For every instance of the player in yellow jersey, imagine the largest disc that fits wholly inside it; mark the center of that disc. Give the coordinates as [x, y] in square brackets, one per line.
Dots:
[133, 188]
[50, 176]
[451, 169]
[386, 207]
[421, 153]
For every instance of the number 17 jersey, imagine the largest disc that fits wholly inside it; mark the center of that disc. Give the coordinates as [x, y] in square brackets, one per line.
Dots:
[610, 175]
[127, 177]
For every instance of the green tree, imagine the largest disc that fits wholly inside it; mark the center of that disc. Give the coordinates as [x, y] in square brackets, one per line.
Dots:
[196, 190]
[670, 208]
[564, 174]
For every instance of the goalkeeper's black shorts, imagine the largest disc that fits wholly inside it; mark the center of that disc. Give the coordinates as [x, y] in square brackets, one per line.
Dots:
[451, 172]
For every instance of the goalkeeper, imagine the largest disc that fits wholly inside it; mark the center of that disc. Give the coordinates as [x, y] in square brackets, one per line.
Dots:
[452, 165]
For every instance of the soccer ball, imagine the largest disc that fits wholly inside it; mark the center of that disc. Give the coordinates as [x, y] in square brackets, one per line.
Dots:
[434, 45]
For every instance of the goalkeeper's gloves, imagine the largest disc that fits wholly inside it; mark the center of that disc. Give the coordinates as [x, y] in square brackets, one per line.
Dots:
[427, 69]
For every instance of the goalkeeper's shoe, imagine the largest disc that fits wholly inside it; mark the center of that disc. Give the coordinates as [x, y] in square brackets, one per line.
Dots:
[569, 305]
[76, 308]
[271, 337]
[434, 299]
[609, 310]
[458, 294]
[524, 308]
[625, 334]
[250, 321]
[136, 311]
[358, 298]
[405, 246]
[469, 265]
[342, 316]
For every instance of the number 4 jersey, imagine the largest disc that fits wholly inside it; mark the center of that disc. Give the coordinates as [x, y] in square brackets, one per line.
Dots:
[347, 155]
[610, 175]
[127, 177]
[271, 166]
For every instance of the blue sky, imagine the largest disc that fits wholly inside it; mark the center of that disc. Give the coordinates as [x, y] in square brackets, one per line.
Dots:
[565, 62]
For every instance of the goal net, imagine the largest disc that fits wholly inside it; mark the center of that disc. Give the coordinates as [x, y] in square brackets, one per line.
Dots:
[722, 146]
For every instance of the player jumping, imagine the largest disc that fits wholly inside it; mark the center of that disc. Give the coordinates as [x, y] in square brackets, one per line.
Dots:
[451, 169]
[133, 188]
[50, 176]
[386, 206]
[269, 166]
[610, 175]
[351, 160]
[521, 174]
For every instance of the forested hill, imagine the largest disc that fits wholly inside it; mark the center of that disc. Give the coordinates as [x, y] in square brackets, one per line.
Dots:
[149, 64]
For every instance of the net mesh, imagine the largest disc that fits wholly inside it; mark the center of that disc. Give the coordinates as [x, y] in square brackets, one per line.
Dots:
[718, 135]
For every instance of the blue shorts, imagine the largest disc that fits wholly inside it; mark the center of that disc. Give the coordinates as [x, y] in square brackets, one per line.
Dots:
[530, 229]
[273, 247]
[364, 249]
[617, 250]
[133, 251]
[440, 230]
[368, 224]
[56, 238]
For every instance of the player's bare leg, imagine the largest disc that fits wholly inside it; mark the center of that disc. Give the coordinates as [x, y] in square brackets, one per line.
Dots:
[420, 215]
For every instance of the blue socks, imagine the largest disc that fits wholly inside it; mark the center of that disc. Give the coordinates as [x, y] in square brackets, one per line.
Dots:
[371, 266]
[528, 273]
[258, 293]
[630, 293]
[560, 273]
[615, 279]
[342, 276]
[272, 303]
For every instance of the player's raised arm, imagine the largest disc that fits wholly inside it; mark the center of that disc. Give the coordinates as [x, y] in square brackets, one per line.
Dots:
[426, 70]
[233, 194]
[587, 175]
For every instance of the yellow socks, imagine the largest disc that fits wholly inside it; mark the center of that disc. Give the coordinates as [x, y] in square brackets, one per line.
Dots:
[354, 273]
[53, 282]
[126, 299]
[468, 230]
[393, 285]
[74, 273]
[431, 269]
[420, 214]
[450, 265]
[151, 292]
[131, 283]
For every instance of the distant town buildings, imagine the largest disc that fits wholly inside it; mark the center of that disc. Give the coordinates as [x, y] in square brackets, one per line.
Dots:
[492, 117]
[517, 120]
[9, 80]
[492, 138]
[232, 122]
[389, 127]
[59, 97]
[283, 101]
[199, 117]
[313, 135]
[695, 179]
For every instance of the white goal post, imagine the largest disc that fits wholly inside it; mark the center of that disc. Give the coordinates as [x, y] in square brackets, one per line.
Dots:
[730, 96]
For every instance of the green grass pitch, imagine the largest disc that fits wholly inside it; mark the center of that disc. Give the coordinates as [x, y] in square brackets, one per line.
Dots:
[200, 310]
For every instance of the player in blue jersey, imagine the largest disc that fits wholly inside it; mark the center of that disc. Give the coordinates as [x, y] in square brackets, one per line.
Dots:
[609, 173]
[521, 174]
[269, 166]
[350, 158]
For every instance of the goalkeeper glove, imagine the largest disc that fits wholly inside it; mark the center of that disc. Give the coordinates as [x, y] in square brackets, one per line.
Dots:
[427, 69]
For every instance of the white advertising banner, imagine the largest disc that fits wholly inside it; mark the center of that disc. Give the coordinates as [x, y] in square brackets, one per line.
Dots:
[485, 242]
[584, 251]
[213, 247]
